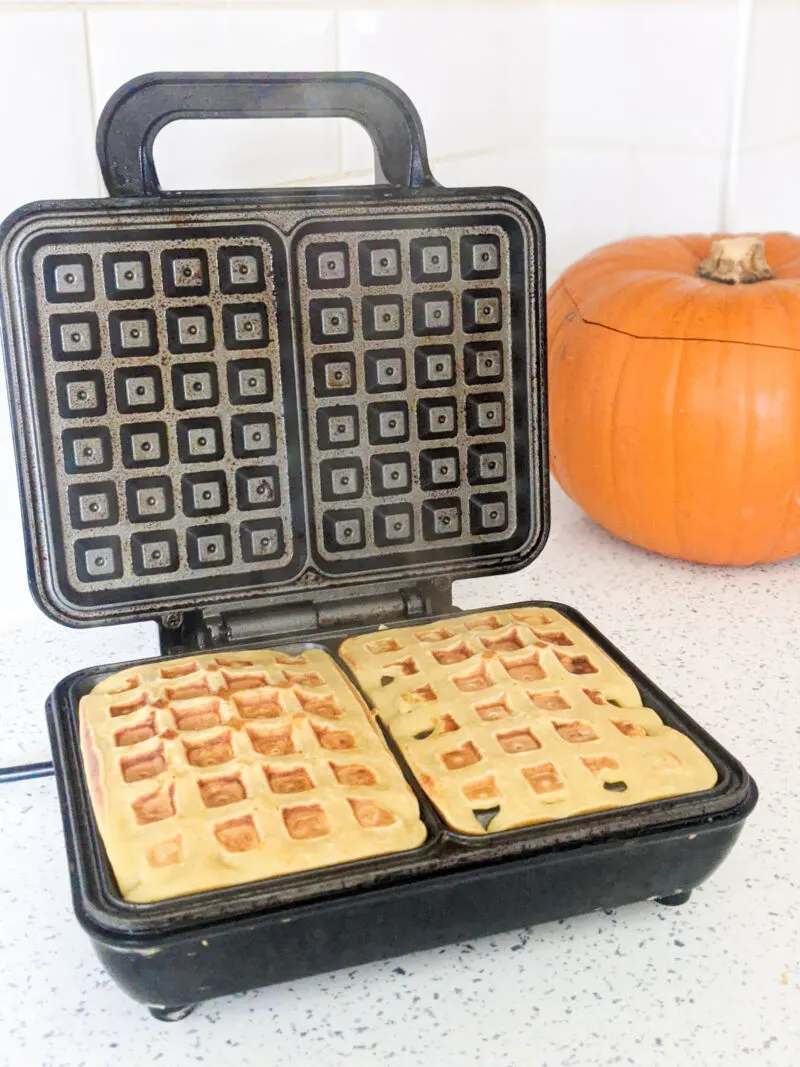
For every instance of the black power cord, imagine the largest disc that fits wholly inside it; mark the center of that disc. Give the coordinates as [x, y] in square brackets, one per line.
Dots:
[24, 771]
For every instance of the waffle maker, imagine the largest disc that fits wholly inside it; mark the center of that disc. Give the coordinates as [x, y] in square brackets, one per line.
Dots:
[278, 419]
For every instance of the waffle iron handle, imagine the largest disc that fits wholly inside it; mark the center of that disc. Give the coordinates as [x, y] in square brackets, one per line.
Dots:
[141, 108]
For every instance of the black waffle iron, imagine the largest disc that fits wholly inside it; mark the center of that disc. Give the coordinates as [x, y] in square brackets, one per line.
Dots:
[279, 418]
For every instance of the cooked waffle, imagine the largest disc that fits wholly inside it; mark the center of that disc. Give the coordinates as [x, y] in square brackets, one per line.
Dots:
[220, 769]
[509, 718]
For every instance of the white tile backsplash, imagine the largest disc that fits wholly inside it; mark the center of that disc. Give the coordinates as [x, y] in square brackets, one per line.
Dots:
[675, 192]
[766, 176]
[765, 196]
[245, 153]
[585, 199]
[519, 169]
[772, 97]
[45, 112]
[126, 43]
[473, 71]
[655, 74]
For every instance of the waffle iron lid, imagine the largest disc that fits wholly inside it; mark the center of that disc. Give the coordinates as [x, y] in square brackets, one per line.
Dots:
[220, 397]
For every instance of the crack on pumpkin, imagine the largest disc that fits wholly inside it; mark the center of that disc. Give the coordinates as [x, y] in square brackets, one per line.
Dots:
[659, 337]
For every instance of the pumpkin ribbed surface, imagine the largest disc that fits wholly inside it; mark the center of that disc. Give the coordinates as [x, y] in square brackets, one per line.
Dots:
[675, 399]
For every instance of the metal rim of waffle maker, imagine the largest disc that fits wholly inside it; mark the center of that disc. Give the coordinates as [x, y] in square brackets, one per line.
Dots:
[279, 419]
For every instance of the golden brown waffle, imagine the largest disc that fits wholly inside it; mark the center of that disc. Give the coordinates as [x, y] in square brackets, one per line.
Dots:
[220, 769]
[509, 718]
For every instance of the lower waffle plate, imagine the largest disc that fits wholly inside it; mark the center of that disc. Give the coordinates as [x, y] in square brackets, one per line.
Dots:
[510, 718]
[100, 904]
[222, 769]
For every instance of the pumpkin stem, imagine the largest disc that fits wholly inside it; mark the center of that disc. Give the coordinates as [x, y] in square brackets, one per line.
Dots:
[736, 259]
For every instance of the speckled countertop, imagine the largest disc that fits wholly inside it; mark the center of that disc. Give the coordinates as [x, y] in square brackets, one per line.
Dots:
[714, 982]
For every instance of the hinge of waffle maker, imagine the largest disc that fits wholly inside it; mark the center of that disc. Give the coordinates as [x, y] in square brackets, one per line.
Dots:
[303, 618]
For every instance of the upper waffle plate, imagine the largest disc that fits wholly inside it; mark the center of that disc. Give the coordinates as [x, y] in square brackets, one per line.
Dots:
[264, 398]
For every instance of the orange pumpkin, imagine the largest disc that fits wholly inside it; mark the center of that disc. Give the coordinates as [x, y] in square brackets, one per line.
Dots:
[675, 394]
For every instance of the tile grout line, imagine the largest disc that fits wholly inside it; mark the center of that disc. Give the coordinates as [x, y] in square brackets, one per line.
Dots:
[337, 63]
[363, 172]
[10, 6]
[671, 148]
[87, 40]
[739, 76]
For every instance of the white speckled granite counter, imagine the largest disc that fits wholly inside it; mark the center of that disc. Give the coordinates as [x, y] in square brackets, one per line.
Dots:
[714, 982]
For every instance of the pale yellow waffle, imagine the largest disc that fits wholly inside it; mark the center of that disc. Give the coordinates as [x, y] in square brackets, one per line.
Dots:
[220, 769]
[514, 717]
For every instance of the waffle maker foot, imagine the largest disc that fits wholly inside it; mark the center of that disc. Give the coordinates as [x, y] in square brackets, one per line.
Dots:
[166, 1014]
[675, 899]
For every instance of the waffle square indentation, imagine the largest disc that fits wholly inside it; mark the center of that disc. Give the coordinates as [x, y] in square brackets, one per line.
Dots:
[480, 256]
[344, 530]
[204, 493]
[245, 326]
[200, 440]
[338, 427]
[144, 444]
[385, 370]
[133, 333]
[328, 265]
[184, 272]
[341, 479]
[149, 498]
[431, 259]
[80, 394]
[194, 385]
[485, 413]
[433, 313]
[393, 524]
[258, 487]
[250, 381]
[331, 320]
[93, 504]
[127, 275]
[439, 468]
[435, 366]
[436, 417]
[441, 518]
[388, 422]
[98, 559]
[254, 435]
[69, 278]
[334, 374]
[138, 389]
[482, 310]
[190, 329]
[261, 539]
[379, 262]
[154, 552]
[390, 473]
[87, 450]
[382, 317]
[483, 362]
[75, 336]
[208, 546]
[486, 463]
[241, 269]
[488, 513]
